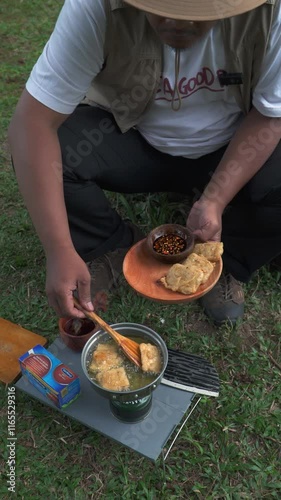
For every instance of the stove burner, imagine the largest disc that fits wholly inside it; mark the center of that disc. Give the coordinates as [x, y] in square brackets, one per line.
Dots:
[132, 411]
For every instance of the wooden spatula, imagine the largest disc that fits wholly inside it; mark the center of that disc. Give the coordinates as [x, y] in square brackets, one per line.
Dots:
[130, 348]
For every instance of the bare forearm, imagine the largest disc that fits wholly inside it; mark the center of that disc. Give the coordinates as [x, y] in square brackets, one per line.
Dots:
[37, 159]
[252, 145]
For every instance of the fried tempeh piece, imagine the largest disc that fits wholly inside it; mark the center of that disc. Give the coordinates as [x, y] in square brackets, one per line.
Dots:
[211, 250]
[150, 358]
[114, 380]
[183, 279]
[105, 357]
[199, 262]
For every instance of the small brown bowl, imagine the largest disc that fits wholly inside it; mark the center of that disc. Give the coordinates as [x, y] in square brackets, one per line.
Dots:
[170, 229]
[76, 342]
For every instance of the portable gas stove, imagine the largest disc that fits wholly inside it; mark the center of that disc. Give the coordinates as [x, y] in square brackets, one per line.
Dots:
[143, 425]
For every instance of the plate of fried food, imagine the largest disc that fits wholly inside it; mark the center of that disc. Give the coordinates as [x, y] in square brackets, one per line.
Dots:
[187, 280]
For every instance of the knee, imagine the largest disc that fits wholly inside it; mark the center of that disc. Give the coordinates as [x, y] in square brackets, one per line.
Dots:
[264, 194]
[265, 187]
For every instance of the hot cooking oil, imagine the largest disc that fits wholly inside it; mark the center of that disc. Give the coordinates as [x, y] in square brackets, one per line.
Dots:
[136, 376]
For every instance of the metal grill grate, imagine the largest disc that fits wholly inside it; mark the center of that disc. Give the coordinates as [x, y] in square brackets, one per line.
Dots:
[191, 373]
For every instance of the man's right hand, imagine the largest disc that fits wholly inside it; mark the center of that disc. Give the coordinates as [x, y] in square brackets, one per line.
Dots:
[66, 272]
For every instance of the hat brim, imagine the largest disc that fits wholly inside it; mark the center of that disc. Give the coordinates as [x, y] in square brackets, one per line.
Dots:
[196, 10]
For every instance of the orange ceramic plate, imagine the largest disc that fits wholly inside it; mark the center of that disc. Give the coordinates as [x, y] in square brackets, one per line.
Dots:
[143, 273]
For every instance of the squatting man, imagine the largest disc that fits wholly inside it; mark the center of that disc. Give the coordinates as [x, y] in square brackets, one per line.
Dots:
[153, 96]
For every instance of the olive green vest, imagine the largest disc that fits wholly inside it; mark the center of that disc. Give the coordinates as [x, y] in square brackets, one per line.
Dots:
[130, 77]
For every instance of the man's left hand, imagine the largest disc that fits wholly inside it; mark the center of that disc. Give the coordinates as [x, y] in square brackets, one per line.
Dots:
[205, 220]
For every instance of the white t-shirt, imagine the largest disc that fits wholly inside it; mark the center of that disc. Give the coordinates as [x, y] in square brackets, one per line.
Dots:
[208, 117]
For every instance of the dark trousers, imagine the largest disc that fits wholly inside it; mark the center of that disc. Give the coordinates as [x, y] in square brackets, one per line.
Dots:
[97, 156]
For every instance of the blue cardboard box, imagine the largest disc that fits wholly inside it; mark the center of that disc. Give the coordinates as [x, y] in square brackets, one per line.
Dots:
[50, 376]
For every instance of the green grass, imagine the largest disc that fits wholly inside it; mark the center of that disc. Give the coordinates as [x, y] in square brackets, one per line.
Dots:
[230, 448]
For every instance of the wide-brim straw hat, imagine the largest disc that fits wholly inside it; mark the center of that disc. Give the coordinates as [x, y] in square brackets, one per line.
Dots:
[196, 10]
